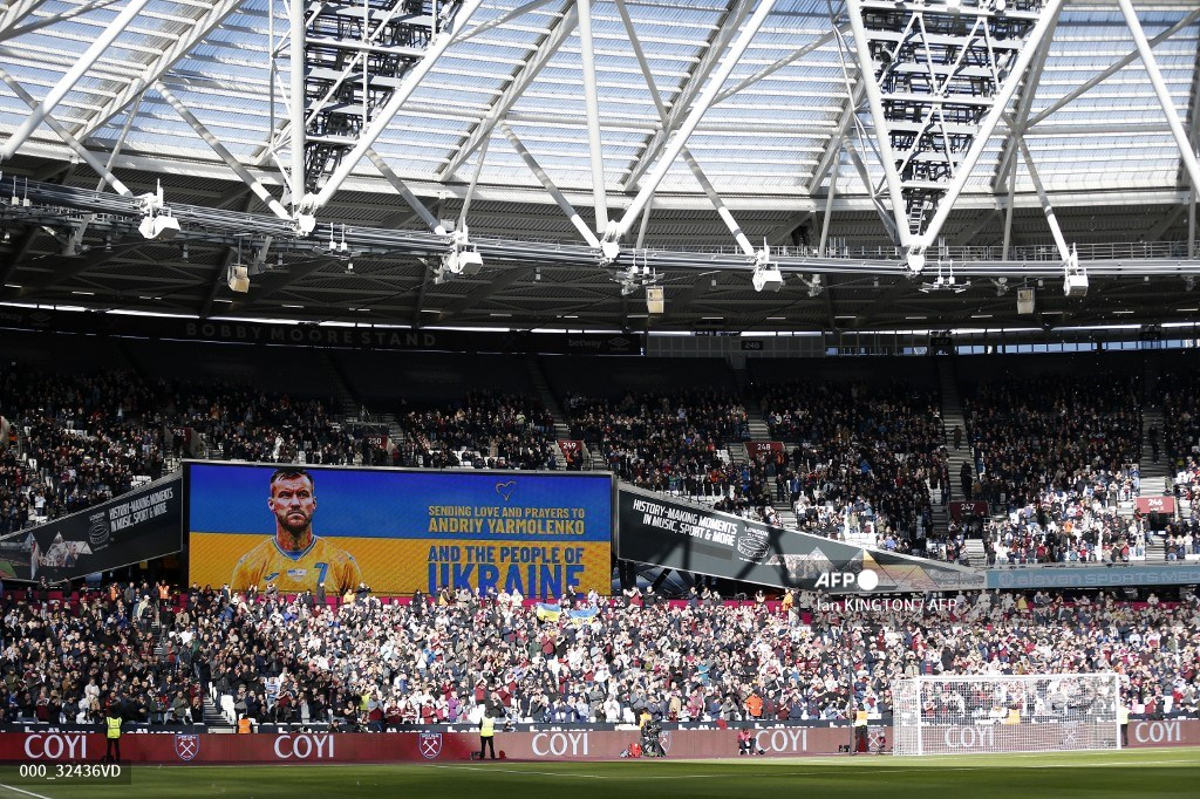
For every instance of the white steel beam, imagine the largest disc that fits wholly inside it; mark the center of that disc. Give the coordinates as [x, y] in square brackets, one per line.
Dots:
[551, 188]
[130, 116]
[482, 27]
[180, 46]
[828, 212]
[10, 19]
[405, 193]
[713, 197]
[208, 136]
[385, 115]
[838, 139]
[1047, 209]
[71, 142]
[461, 227]
[701, 106]
[1009, 207]
[771, 69]
[1193, 133]
[17, 11]
[887, 158]
[1019, 121]
[864, 175]
[587, 58]
[1161, 91]
[1116, 67]
[297, 98]
[645, 226]
[70, 78]
[512, 93]
[735, 14]
[988, 126]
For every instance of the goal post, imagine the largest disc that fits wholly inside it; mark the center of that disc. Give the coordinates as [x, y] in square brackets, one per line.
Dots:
[948, 714]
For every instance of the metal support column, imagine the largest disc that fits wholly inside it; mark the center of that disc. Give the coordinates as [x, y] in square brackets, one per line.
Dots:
[887, 157]
[671, 151]
[385, 115]
[963, 174]
[208, 136]
[587, 58]
[551, 188]
[710, 191]
[71, 142]
[1160, 89]
[833, 177]
[406, 194]
[70, 78]
[298, 99]
[1048, 209]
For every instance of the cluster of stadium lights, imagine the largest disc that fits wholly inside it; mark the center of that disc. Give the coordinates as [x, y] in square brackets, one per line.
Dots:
[157, 223]
[463, 258]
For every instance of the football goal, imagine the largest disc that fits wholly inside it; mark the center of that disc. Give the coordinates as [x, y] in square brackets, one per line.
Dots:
[946, 714]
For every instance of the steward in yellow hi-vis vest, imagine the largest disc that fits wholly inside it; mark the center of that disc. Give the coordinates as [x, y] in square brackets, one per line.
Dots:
[487, 735]
[112, 727]
[860, 731]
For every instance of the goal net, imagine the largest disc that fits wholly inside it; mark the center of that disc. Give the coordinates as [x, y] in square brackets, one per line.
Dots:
[945, 714]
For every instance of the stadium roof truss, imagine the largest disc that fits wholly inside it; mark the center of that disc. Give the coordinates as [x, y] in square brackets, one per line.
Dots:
[769, 164]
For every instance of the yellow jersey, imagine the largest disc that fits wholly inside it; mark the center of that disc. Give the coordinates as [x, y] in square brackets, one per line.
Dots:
[292, 572]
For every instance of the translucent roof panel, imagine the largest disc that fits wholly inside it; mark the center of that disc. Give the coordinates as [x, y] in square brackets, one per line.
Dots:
[772, 136]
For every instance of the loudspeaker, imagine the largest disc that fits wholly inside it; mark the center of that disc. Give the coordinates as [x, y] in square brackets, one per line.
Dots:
[1025, 300]
[239, 278]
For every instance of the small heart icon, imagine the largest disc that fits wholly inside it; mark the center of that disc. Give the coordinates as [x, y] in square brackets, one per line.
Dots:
[506, 489]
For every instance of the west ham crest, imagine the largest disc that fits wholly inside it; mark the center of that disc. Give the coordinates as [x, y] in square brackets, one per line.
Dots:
[430, 745]
[187, 746]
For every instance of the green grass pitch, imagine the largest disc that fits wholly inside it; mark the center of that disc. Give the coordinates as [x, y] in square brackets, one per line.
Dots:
[1128, 773]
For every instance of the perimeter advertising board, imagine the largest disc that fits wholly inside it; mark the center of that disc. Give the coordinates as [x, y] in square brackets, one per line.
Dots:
[137, 526]
[50, 746]
[397, 530]
[694, 538]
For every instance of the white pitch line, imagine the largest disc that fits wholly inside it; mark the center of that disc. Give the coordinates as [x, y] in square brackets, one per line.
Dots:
[519, 771]
[24, 791]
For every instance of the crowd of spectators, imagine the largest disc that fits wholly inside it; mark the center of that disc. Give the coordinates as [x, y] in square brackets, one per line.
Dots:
[1056, 434]
[867, 464]
[496, 431]
[367, 664]
[664, 441]
[1181, 436]
[63, 664]
[83, 439]
[1067, 527]
[1056, 456]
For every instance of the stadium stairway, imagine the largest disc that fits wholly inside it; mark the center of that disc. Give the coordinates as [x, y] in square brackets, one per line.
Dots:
[976, 555]
[537, 378]
[952, 417]
[213, 718]
[1152, 472]
[352, 407]
[759, 432]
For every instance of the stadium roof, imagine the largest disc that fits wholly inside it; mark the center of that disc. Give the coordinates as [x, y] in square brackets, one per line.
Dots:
[713, 120]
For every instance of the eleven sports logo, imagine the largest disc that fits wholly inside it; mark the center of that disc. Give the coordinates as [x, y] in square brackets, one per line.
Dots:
[865, 581]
